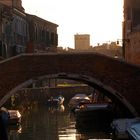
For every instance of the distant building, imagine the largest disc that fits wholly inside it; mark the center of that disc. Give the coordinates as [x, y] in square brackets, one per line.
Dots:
[131, 31]
[111, 49]
[82, 42]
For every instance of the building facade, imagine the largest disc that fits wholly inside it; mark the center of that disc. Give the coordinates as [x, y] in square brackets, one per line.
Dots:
[5, 21]
[24, 33]
[131, 31]
[14, 28]
[43, 35]
[82, 42]
[20, 34]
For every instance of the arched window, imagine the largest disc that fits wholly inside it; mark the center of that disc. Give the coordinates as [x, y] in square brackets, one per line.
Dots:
[36, 33]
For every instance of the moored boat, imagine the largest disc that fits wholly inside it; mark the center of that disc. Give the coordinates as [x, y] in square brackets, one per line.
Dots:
[94, 116]
[55, 101]
[78, 99]
[15, 117]
[134, 131]
[120, 126]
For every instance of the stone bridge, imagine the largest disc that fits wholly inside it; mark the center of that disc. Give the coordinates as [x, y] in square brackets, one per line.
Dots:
[115, 78]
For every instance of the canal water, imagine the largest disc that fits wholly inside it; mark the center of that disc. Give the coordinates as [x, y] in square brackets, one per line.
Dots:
[41, 122]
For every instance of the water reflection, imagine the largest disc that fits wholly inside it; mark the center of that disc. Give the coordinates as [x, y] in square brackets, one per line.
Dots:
[59, 108]
[48, 123]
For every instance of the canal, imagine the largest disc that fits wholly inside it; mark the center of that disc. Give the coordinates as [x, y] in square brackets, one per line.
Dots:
[40, 122]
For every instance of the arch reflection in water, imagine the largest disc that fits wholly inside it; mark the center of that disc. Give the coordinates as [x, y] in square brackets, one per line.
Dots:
[39, 123]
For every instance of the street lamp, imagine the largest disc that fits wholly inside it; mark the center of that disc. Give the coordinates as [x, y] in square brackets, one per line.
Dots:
[124, 41]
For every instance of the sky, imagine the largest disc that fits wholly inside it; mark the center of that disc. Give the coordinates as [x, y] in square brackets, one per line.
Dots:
[101, 19]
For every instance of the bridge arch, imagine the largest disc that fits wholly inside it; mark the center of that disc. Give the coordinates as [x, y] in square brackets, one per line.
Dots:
[115, 78]
[90, 81]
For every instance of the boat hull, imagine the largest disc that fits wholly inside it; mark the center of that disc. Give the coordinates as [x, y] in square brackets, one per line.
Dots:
[94, 118]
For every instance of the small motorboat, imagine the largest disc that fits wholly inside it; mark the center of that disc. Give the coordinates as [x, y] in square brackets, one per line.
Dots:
[15, 117]
[95, 116]
[78, 99]
[134, 131]
[10, 116]
[56, 101]
[121, 126]
[60, 100]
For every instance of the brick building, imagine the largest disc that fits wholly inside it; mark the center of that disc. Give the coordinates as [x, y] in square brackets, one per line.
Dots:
[131, 31]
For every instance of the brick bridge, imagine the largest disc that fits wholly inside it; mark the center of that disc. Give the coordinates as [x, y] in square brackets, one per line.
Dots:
[117, 79]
